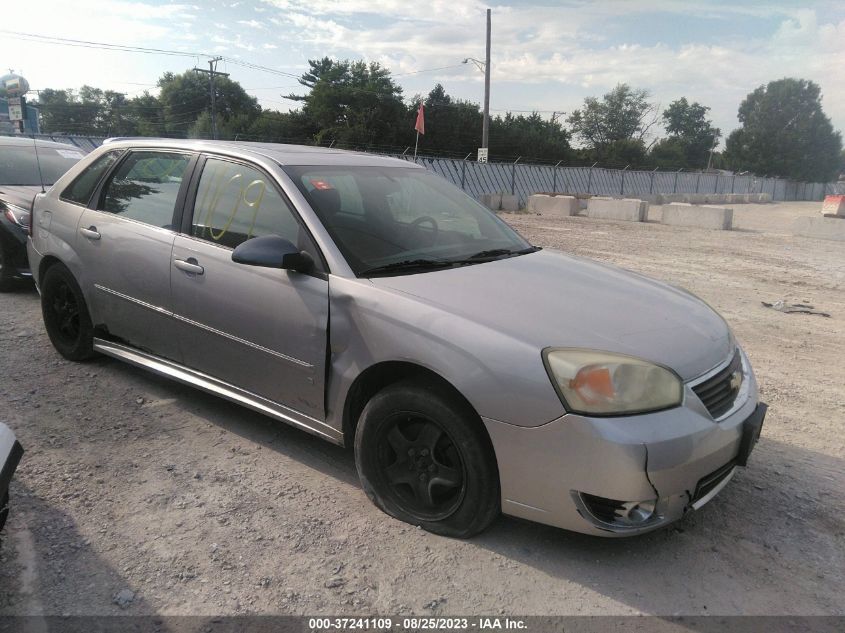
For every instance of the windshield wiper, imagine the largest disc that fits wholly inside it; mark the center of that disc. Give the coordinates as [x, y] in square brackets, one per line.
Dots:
[407, 264]
[495, 253]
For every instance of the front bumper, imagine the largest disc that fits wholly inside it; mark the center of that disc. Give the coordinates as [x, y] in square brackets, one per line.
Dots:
[680, 457]
[14, 243]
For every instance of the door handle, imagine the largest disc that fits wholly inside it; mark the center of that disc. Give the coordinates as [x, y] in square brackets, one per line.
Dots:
[91, 233]
[189, 265]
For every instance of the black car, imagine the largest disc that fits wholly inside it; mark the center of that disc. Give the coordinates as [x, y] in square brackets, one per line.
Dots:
[21, 178]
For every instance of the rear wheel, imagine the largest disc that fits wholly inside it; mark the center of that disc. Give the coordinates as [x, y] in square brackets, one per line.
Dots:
[66, 314]
[424, 458]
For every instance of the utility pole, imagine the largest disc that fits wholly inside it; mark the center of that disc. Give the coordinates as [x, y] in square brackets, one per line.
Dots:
[485, 130]
[212, 73]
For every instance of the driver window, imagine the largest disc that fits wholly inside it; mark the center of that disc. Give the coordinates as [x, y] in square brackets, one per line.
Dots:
[236, 202]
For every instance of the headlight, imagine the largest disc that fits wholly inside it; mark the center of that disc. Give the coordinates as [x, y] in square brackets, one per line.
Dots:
[604, 383]
[16, 214]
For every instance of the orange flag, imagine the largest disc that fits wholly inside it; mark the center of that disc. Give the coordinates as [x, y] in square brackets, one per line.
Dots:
[420, 125]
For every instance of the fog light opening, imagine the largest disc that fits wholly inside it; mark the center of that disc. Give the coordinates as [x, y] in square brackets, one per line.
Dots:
[638, 511]
[620, 514]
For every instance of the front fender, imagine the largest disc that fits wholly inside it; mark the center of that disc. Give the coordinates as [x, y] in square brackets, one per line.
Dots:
[501, 377]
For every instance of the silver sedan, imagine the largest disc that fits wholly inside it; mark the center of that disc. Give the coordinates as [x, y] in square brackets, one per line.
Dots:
[368, 301]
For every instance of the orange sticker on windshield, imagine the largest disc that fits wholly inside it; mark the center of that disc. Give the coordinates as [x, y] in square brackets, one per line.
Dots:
[321, 184]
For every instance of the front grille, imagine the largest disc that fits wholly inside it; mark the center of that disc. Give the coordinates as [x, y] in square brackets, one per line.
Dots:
[718, 392]
[709, 482]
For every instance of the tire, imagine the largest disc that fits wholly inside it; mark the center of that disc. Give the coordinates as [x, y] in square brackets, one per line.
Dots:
[7, 272]
[66, 315]
[424, 458]
[4, 510]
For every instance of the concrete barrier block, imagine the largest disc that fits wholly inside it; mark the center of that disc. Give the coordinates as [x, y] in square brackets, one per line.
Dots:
[492, 201]
[628, 209]
[821, 228]
[699, 216]
[510, 202]
[556, 206]
[715, 198]
[535, 200]
[765, 198]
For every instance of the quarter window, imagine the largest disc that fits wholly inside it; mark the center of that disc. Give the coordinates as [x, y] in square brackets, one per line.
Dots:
[235, 203]
[82, 187]
[145, 187]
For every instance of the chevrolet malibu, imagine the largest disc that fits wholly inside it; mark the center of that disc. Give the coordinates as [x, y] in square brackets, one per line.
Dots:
[368, 301]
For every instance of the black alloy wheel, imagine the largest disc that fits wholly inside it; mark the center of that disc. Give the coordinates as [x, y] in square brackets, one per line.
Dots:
[422, 466]
[424, 457]
[66, 315]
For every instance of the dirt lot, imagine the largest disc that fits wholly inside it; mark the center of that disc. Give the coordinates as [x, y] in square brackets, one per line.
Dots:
[197, 506]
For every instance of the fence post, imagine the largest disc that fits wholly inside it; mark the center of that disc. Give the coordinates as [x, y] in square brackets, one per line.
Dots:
[622, 186]
[554, 176]
[464, 170]
[590, 178]
[513, 176]
[733, 182]
[697, 182]
[675, 186]
[651, 184]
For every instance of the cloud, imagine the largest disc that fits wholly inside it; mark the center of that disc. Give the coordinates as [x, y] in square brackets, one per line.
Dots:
[253, 24]
[575, 49]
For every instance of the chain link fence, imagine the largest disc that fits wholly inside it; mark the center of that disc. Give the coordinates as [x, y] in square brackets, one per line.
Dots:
[523, 180]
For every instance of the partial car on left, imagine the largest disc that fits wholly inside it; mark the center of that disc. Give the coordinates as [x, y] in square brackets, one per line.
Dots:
[26, 165]
[10, 456]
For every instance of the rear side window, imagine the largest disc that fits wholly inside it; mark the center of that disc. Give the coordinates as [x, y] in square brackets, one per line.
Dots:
[145, 186]
[236, 202]
[82, 187]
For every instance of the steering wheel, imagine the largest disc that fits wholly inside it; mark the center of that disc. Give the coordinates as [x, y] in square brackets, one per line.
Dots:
[425, 219]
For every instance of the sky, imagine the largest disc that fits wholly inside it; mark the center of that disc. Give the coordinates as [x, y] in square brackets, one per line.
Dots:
[546, 56]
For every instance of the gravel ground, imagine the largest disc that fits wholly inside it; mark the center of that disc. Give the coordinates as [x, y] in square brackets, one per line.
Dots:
[137, 495]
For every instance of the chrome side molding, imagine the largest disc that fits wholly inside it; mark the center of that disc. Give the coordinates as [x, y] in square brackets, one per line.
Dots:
[219, 388]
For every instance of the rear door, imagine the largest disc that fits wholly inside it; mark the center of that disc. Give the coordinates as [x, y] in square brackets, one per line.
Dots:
[260, 329]
[125, 244]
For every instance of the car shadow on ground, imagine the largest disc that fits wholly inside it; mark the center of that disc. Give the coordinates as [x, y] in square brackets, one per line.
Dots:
[47, 563]
[779, 514]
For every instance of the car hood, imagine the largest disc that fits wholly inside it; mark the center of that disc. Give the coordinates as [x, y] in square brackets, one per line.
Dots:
[20, 195]
[550, 299]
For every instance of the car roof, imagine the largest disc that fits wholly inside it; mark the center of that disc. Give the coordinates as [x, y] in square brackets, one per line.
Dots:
[283, 154]
[21, 141]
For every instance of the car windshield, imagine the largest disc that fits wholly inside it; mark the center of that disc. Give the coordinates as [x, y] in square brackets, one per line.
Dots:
[398, 220]
[19, 167]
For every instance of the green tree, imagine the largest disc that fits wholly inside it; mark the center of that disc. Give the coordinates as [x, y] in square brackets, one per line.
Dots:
[452, 126]
[691, 136]
[622, 114]
[531, 137]
[184, 97]
[785, 133]
[282, 127]
[352, 102]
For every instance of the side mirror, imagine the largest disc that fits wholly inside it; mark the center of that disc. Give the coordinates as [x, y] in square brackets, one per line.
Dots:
[272, 251]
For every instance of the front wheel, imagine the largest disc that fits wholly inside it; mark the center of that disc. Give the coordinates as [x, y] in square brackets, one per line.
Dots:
[7, 273]
[66, 314]
[424, 458]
